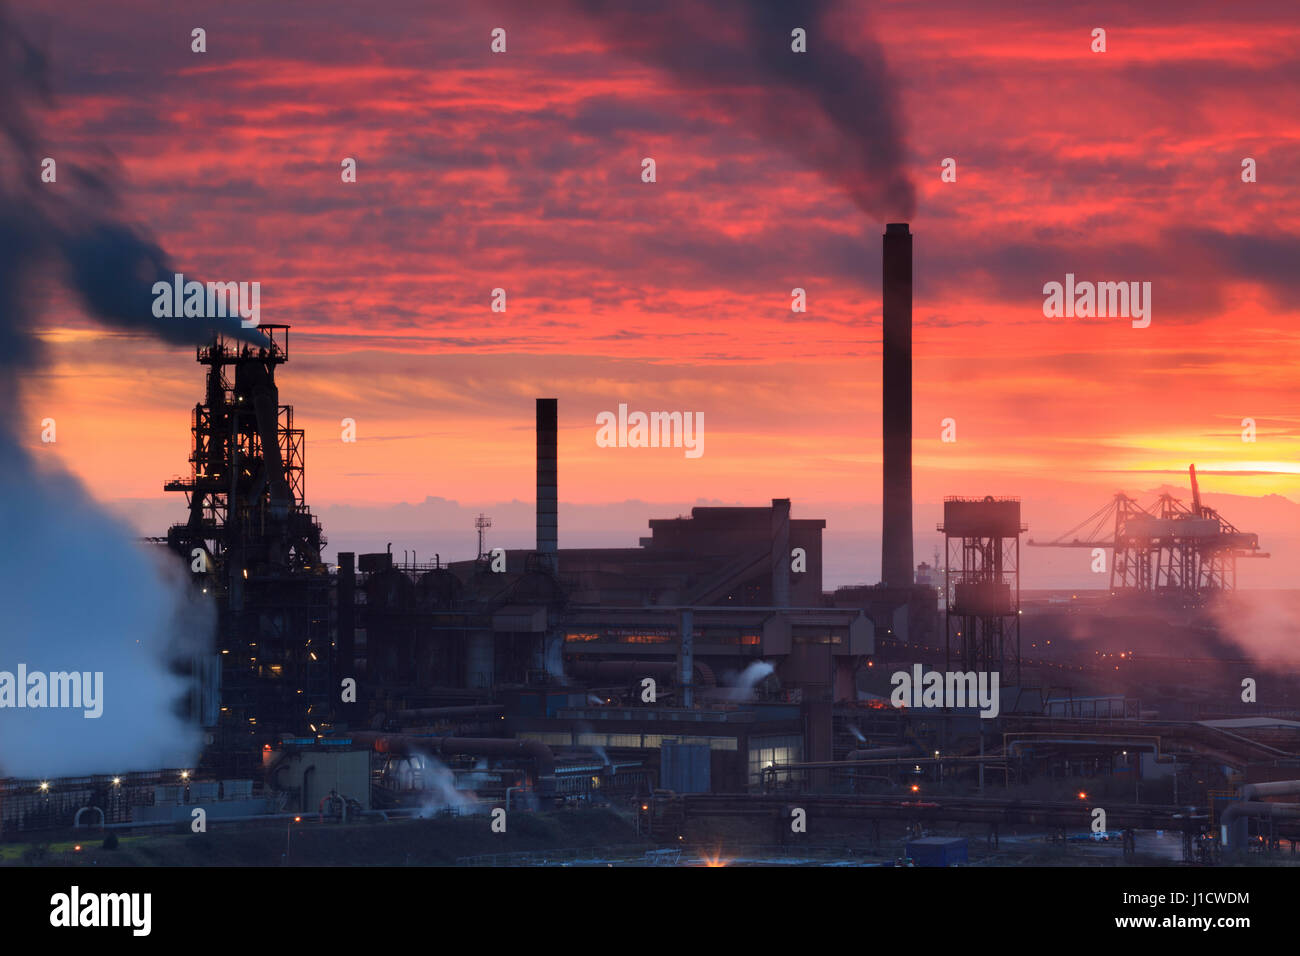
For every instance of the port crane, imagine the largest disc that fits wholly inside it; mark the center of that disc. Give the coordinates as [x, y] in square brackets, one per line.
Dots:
[1170, 548]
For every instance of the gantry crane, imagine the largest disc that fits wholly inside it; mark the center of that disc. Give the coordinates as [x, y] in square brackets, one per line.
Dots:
[1167, 549]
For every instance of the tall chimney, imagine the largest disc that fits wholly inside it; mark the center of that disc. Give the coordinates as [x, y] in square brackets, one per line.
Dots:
[780, 552]
[547, 492]
[896, 523]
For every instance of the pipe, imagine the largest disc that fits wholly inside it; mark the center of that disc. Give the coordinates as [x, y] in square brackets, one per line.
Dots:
[1235, 820]
[469, 710]
[144, 824]
[1278, 788]
[879, 752]
[882, 762]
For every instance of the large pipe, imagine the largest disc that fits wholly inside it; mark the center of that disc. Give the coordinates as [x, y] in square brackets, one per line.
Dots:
[1235, 820]
[547, 480]
[1278, 788]
[896, 506]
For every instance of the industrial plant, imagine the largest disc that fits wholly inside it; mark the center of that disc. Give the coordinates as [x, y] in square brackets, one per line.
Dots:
[704, 676]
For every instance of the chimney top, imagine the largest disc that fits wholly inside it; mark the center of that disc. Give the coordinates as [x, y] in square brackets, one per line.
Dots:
[896, 227]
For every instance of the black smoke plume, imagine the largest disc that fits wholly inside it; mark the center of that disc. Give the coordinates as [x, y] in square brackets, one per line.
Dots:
[834, 107]
[78, 592]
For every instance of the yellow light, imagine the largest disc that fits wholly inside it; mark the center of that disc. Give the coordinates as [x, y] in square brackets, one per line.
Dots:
[915, 788]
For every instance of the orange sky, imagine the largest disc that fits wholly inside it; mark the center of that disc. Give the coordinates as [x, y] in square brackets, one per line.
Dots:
[522, 171]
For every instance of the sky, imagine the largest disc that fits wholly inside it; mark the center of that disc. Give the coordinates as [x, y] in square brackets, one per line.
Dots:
[522, 170]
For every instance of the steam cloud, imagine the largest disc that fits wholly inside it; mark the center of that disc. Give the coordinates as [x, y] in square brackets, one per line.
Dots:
[748, 679]
[440, 793]
[79, 594]
[1263, 624]
[833, 107]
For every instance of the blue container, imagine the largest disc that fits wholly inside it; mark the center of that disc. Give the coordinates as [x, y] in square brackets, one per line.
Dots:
[684, 768]
[938, 851]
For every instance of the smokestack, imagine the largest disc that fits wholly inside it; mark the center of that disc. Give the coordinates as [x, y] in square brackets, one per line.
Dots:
[781, 552]
[547, 491]
[896, 523]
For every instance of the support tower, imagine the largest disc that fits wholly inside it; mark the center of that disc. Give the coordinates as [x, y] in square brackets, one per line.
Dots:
[982, 582]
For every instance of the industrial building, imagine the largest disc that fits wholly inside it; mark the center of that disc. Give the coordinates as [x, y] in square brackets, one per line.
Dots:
[704, 665]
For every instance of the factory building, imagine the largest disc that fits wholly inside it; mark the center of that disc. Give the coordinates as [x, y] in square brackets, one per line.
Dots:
[707, 659]
[713, 632]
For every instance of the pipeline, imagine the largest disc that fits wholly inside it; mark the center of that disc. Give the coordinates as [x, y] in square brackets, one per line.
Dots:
[1235, 820]
[1278, 788]
[468, 710]
[880, 752]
